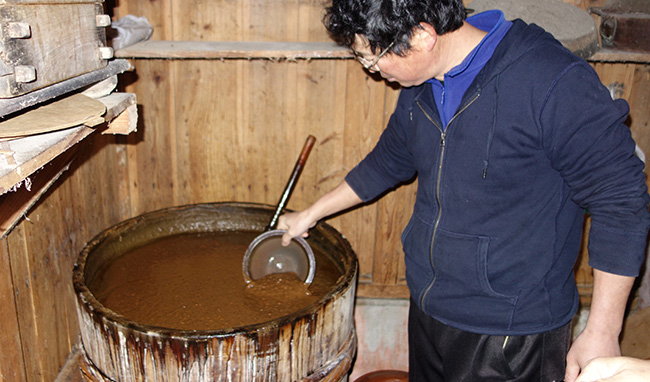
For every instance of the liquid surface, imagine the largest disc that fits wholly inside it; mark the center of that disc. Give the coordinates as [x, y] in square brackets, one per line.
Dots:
[194, 281]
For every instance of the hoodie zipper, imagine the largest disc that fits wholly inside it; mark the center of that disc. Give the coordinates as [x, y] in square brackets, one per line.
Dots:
[443, 135]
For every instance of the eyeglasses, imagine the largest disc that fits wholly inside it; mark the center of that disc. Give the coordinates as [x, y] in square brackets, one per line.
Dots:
[368, 64]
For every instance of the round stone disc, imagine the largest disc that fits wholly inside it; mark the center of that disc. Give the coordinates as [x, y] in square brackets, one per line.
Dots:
[572, 26]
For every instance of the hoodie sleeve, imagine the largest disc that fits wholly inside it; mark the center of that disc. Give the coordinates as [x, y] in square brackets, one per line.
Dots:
[587, 142]
[389, 163]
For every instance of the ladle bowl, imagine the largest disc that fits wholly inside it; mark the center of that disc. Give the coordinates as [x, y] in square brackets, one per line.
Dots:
[266, 255]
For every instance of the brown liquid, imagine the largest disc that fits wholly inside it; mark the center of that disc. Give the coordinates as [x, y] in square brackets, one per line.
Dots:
[194, 282]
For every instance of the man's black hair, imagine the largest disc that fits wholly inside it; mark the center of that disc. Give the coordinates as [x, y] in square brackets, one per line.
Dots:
[384, 22]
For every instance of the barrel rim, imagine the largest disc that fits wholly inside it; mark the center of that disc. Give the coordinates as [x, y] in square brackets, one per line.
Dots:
[91, 305]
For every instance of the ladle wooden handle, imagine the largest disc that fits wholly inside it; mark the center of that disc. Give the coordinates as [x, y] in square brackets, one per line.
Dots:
[295, 174]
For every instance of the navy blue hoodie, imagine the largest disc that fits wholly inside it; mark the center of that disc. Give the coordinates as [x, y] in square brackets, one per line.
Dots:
[502, 191]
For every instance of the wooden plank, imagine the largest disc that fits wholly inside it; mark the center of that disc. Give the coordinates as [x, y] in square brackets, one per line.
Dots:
[233, 50]
[36, 299]
[12, 105]
[12, 366]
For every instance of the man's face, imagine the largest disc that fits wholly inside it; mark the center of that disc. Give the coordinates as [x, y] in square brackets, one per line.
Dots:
[410, 70]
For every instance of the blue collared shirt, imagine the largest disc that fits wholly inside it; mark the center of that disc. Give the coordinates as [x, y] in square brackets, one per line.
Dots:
[449, 94]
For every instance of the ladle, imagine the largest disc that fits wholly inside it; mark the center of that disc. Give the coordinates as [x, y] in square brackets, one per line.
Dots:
[266, 254]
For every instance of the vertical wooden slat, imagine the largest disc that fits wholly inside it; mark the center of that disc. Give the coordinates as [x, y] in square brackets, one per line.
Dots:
[311, 14]
[26, 306]
[394, 212]
[12, 366]
[152, 162]
[364, 122]
[151, 158]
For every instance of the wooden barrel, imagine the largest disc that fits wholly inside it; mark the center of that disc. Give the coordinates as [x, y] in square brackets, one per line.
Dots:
[316, 343]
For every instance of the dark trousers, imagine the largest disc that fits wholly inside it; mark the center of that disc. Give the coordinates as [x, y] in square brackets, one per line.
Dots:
[438, 352]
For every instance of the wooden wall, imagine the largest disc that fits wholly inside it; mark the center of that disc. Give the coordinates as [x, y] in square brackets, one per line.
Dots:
[219, 131]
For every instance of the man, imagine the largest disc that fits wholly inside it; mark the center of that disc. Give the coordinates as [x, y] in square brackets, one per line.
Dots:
[512, 137]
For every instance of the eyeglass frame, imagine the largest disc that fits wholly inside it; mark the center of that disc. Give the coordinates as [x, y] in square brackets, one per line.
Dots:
[374, 62]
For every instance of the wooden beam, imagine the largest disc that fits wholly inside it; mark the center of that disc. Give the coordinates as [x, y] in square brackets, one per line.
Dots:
[612, 55]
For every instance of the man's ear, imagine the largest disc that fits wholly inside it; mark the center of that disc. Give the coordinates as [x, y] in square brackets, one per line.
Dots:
[425, 35]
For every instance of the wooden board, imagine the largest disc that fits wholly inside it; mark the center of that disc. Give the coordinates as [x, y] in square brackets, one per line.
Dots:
[233, 50]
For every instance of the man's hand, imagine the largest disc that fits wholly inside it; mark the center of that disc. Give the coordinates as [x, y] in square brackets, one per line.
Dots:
[296, 224]
[586, 347]
[600, 336]
[616, 369]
